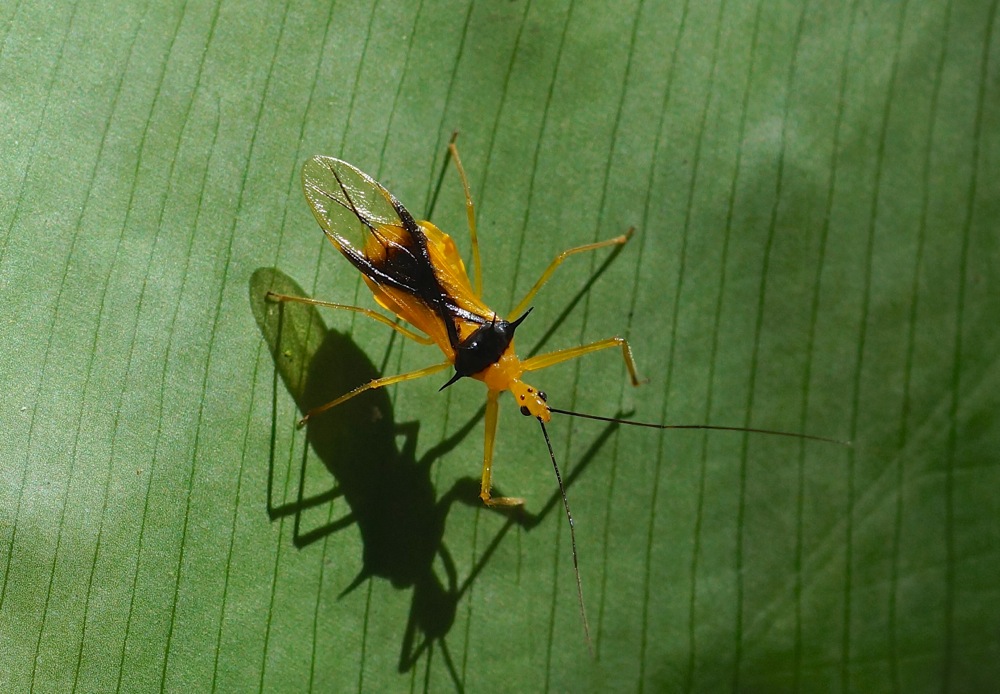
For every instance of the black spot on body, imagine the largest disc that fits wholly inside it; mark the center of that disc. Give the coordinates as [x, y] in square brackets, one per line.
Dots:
[483, 347]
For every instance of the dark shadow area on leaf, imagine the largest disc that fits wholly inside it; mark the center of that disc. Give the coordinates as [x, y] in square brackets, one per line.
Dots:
[378, 485]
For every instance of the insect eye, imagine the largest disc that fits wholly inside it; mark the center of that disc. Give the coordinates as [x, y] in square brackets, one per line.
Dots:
[543, 396]
[525, 411]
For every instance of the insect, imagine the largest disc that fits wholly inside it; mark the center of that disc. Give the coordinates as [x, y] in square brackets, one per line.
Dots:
[414, 271]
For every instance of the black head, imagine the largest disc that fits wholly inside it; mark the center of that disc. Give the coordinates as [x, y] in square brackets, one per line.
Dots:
[484, 347]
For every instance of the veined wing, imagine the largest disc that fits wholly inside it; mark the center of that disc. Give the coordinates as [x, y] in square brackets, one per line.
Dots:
[349, 205]
[412, 269]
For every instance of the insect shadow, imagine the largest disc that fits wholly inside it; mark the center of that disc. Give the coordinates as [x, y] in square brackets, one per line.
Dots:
[388, 492]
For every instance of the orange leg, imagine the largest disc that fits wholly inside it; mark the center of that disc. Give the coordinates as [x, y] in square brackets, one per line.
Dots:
[523, 304]
[491, 432]
[405, 332]
[543, 361]
[470, 211]
[372, 385]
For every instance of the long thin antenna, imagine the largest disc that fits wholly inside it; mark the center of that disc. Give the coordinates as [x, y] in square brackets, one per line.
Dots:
[572, 540]
[650, 425]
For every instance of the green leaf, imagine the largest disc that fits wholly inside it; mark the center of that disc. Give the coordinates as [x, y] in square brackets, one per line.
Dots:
[815, 201]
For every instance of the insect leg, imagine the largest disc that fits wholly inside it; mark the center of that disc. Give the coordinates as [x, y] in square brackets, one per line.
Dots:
[470, 210]
[543, 361]
[405, 332]
[372, 385]
[491, 431]
[616, 241]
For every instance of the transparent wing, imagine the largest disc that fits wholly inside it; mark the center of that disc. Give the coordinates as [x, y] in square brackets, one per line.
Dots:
[348, 203]
[413, 271]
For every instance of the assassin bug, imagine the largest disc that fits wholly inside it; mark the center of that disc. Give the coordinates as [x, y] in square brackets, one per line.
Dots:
[414, 270]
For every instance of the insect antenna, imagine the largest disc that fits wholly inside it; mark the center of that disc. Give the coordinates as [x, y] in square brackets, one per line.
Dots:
[650, 425]
[572, 539]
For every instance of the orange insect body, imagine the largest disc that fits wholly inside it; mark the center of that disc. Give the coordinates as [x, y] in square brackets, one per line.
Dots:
[503, 374]
[414, 271]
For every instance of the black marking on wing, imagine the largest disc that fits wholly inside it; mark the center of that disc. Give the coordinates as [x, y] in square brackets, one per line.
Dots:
[407, 267]
[404, 264]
